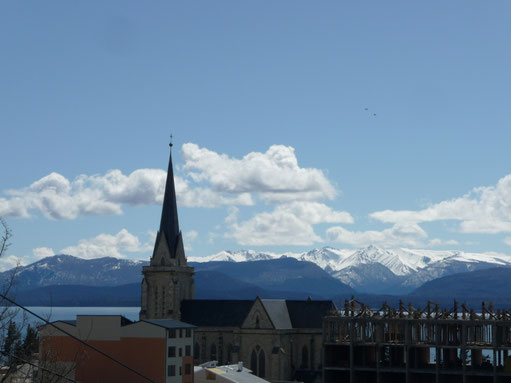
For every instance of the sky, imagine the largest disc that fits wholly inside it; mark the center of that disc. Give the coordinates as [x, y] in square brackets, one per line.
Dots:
[296, 125]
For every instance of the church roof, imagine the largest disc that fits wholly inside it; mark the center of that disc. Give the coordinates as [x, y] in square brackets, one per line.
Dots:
[284, 314]
[215, 313]
[309, 313]
[169, 224]
[278, 313]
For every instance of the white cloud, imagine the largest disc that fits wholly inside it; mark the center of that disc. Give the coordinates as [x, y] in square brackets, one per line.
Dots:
[275, 175]
[190, 196]
[411, 235]
[42, 252]
[209, 180]
[507, 241]
[399, 235]
[58, 198]
[191, 235]
[9, 262]
[287, 224]
[483, 210]
[107, 245]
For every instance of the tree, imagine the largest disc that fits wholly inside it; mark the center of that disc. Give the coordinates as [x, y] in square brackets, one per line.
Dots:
[30, 344]
[11, 344]
[12, 347]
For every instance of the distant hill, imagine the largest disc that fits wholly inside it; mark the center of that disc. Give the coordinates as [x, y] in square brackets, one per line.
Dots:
[494, 283]
[69, 270]
[283, 274]
[208, 285]
[63, 280]
[376, 270]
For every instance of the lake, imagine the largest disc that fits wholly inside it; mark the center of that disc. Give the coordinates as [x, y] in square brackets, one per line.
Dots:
[70, 313]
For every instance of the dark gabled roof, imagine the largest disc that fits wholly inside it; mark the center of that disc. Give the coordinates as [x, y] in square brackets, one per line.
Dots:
[169, 224]
[168, 323]
[215, 313]
[308, 314]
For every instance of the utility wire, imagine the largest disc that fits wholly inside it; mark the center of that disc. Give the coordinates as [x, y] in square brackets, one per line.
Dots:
[39, 367]
[77, 339]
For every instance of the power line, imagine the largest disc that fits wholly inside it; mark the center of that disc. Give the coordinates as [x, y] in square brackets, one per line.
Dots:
[78, 339]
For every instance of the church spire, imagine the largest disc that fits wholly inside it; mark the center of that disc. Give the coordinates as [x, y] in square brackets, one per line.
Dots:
[169, 224]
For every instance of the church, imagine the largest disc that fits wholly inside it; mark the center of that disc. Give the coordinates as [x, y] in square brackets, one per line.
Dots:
[279, 340]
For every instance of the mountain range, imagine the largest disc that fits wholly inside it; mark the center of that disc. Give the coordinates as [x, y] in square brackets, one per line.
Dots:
[373, 269]
[321, 274]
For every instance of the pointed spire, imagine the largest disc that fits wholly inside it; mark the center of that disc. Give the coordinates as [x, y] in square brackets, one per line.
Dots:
[169, 224]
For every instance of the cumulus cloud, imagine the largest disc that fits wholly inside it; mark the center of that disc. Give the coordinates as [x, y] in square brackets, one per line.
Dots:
[209, 180]
[408, 235]
[42, 252]
[9, 262]
[191, 235]
[108, 245]
[58, 198]
[197, 196]
[275, 175]
[411, 235]
[287, 224]
[483, 210]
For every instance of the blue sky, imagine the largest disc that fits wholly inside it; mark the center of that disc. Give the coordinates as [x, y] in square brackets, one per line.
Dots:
[274, 148]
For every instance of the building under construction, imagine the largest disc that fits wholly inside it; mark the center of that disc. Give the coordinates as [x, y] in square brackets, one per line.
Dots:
[411, 345]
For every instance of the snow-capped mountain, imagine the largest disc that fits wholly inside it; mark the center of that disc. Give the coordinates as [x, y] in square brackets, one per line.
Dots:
[68, 270]
[376, 270]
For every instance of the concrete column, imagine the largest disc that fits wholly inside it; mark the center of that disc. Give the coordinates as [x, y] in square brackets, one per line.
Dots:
[377, 363]
[352, 371]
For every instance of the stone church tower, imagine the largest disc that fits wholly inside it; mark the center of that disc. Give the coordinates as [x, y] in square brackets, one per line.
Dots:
[168, 279]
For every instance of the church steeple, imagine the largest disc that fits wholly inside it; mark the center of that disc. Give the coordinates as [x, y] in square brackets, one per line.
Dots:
[169, 224]
[168, 279]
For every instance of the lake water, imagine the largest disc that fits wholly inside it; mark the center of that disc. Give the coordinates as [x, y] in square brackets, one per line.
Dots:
[70, 313]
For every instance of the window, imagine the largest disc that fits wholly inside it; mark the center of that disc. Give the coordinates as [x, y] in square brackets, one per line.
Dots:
[188, 369]
[171, 352]
[188, 350]
[180, 370]
[257, 362]
[172, 333]
[180, 333]
[180, 351]
[171, 370]
[188, 332]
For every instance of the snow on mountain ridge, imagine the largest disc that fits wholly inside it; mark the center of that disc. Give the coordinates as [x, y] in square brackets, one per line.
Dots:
[391, 270]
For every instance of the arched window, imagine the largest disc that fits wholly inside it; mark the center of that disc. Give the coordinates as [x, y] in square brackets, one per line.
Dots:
[213, 352]
[257, 325]
[258, 362]
[261, 371]
[305, 358]
[253, 362]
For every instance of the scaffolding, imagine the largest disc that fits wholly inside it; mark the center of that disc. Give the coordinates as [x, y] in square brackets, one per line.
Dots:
[409, 345]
